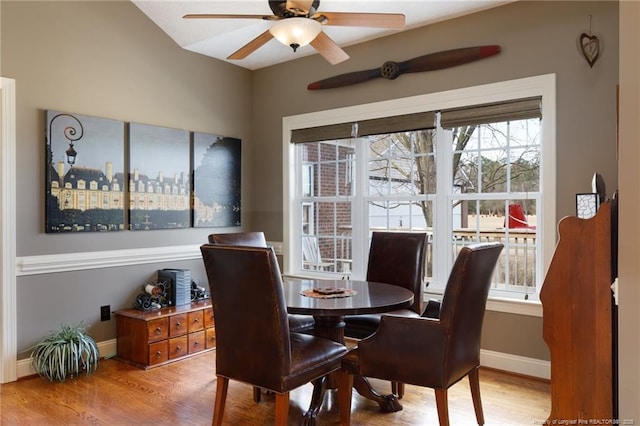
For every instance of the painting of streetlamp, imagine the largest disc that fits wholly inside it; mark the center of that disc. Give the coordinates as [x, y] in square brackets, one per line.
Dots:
[84, 173]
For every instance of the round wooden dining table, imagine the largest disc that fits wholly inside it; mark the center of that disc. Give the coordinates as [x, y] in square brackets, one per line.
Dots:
[351, 297]
[329, 301]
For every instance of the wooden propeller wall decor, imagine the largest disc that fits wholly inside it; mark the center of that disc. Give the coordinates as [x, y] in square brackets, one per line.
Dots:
[298, 23]
[392, 70]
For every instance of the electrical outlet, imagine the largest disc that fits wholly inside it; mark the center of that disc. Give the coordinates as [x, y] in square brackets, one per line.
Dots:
[105, 313]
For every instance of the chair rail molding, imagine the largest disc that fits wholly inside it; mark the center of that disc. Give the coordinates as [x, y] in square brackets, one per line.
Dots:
[51, 263]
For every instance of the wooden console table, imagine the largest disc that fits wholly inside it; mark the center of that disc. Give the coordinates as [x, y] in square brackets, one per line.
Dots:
[152, 338]
[578, 318]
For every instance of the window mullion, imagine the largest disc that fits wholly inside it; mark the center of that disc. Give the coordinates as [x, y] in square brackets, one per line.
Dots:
[442, 223]
[360, 211]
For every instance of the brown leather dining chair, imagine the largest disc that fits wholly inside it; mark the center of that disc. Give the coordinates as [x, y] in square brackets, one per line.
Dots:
[297, 323]
[434, 352]
[251, 239]
[396, 258]
[257, 347]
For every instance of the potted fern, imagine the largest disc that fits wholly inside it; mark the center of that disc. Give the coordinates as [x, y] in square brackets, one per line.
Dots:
[65, 354]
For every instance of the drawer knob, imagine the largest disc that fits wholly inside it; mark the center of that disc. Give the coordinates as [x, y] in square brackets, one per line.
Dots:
[196, 319]
[178, 324]
[196, 343]
[158, 354]
[158, 330]
[178, 349]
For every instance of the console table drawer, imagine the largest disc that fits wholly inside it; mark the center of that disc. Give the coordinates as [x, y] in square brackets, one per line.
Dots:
[211, 338]
[178, 347]
[158, 352]
[158, 329]
[153, 338]
[197, 342]
[196, 320]
[178, 325]
[208, 318]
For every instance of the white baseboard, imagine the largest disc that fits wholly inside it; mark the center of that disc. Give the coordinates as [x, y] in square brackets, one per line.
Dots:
[106, 349]
[498, 360]
[516, 364]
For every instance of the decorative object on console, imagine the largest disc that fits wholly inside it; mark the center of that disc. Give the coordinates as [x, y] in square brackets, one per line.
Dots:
[392, 70]
[587, 205]
[216, 181]
[198, 293]
[65, 354]
[154, 296]
[589, 46]
[178, 281]
[84, 173]
[598, 186]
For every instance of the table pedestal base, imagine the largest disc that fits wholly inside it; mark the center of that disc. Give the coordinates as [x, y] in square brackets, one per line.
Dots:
[388, 403]
[317, 397]
[332, 328]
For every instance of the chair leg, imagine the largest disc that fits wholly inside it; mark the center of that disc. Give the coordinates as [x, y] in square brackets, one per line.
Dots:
[443, 406]
[345, 386]
[282, 409]
[221, 398]
[474, 384]
[397, 388]
[256, 394]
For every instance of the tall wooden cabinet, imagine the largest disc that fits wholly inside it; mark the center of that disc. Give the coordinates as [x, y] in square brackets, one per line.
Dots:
[579, 318]
[150, 339]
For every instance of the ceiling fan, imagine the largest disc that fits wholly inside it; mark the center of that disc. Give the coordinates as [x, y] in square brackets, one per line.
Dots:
[298, 23]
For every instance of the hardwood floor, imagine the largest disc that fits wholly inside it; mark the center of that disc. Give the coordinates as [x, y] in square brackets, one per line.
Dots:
[182, 393]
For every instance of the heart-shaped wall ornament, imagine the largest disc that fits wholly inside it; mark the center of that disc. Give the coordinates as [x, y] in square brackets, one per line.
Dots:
[590, 47]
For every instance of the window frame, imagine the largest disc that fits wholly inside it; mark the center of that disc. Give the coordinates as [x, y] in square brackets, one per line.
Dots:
[543, 85]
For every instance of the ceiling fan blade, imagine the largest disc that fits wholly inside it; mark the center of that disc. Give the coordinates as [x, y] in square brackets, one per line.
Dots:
[252, 46]
[329, 49]
[447, 59]
[218, 16]
[373, 20]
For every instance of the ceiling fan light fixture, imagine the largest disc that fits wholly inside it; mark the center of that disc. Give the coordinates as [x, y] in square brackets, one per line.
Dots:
[296, 32]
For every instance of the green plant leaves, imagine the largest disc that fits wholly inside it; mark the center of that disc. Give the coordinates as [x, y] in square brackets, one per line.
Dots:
[65, 354]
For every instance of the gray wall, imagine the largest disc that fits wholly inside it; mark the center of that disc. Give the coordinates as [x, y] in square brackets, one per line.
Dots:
[105, 59]
[536, 38]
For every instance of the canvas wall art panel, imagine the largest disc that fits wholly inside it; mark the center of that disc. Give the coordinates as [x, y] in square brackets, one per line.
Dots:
[159, 178]
[84, 174]
[216, 181]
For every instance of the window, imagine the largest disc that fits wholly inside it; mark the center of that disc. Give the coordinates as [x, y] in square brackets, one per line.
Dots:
[466, 165]
[324, 209]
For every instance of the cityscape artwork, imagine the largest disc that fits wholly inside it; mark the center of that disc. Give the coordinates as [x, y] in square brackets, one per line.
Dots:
[216, 181]
[84, 173]
[159, 183]
[173, 178]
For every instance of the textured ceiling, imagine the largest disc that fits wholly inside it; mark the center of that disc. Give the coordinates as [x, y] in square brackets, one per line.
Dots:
[218, 38]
